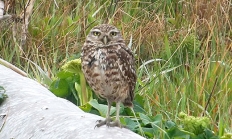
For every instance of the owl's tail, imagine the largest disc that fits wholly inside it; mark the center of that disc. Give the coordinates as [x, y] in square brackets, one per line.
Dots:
[128, 102]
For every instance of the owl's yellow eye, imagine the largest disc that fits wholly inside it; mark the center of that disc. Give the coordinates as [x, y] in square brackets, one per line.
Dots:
[96, 33]
[113, 33]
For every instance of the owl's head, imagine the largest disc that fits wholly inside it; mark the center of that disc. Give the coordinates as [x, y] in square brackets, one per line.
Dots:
[104, 35]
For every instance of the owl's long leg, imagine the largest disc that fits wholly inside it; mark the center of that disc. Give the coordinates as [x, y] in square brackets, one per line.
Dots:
[117, 111]
[108, 119]
[117, 120]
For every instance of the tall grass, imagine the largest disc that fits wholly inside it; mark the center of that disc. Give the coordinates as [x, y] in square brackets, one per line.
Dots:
[184, 48]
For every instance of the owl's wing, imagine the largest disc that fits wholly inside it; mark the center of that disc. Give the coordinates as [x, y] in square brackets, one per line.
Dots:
[126, 63]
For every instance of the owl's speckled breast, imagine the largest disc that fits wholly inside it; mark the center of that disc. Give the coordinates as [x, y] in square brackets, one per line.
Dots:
[103, 75]
[108, 65]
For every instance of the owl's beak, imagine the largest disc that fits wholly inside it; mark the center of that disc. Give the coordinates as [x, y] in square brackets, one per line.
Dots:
[105, 40]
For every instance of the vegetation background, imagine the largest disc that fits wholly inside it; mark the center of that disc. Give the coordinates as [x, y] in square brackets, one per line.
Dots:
[183, 54]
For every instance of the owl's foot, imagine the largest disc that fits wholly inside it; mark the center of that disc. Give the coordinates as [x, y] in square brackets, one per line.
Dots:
[108, 122]
[103, 122]
[115, 123]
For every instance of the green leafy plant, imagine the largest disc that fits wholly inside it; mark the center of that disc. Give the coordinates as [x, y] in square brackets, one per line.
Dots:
[70, 83]
[192, 124]
[3, 96]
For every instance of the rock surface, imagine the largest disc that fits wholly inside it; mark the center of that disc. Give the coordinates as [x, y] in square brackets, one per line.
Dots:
[32, 111]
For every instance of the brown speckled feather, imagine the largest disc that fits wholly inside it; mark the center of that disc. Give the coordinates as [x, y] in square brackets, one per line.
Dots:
[109, 68]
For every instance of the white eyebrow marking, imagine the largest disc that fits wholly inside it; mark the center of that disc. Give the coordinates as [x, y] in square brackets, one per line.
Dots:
[98, 30]
[114, 30]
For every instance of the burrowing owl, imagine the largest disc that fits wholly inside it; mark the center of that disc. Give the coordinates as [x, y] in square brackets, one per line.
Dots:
[109, 68]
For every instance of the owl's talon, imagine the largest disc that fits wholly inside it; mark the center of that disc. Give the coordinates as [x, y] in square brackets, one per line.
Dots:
[106, 120]
[98, 121]
[103, 122]
[115, 124]
[109, 123]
